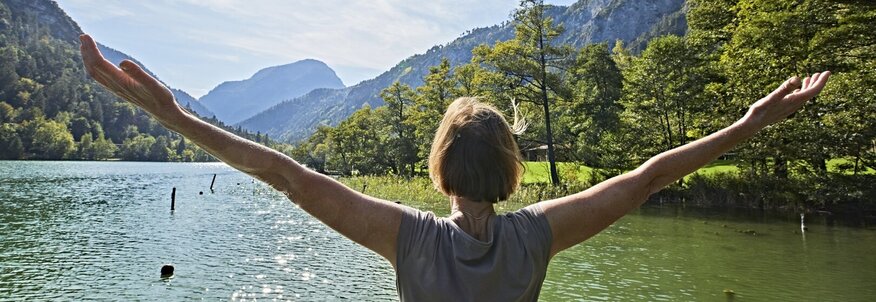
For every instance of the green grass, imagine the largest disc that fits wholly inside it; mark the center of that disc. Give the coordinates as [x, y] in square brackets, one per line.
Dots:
[716, 167]
[419, 192]
[539, 172]
[846, 166]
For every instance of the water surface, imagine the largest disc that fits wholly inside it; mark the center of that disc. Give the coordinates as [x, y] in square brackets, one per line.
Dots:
[102, 230]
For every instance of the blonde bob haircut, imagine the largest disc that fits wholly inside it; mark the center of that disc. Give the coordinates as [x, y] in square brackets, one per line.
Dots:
[474, 154]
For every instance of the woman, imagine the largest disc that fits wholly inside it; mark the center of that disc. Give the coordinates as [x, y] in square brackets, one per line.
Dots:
[474, 254]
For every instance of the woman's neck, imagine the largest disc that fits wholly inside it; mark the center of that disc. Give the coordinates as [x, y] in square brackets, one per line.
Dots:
[472, 217]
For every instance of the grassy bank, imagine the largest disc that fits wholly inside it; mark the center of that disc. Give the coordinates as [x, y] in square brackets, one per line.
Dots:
[719, 184]
[419, 192]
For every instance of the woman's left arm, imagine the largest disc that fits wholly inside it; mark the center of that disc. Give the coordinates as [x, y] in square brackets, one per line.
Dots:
[369, 221]
[576, 217]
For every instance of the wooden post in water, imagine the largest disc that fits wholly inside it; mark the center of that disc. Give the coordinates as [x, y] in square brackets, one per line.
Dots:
[173, 199]
[212, 182]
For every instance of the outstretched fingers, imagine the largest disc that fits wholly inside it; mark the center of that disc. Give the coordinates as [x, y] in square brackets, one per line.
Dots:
[98, 67]
[813, 86]
[789, 86]
[140, 76]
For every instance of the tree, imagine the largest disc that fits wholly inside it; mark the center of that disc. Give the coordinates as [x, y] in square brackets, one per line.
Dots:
[663, 93]
[159, 150]
[358, 144]
[399, 99]
[102, 149]
[7, 113]
[851, 123]
[80, 126]
[11, 146]
[313, 152]
[434, 96]
[137, 148]
[181, 146]
[593, 113]
[8, 76]
[84, 148]
[532, 64]
[771, 41]
[51, 140]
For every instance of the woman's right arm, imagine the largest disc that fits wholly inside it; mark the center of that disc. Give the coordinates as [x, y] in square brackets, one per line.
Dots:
[368, 221]
[577, 217]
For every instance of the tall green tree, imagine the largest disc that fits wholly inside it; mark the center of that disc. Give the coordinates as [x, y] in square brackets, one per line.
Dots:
[432, 100]
[533, 63]
[7, 113]
[103, 148]
[663, 93]
[313, 152]
[399, 99]
[359, 144]
[590, 117]
[771, 41]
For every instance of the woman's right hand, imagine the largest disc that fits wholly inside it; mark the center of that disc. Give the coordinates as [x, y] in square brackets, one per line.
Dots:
[130, 82]
[785, 100]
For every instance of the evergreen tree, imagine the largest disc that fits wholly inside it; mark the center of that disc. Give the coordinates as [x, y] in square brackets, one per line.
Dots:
[532, 64]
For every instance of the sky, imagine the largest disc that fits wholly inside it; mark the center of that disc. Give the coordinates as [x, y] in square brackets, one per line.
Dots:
[195, 45]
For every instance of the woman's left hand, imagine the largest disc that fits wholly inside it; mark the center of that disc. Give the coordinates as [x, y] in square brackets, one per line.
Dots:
[129, 82]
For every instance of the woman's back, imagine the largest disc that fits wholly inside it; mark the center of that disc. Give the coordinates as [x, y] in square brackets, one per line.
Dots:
[438, 261]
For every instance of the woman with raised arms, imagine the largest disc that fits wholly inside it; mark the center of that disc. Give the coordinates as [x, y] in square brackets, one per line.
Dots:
[474, 254]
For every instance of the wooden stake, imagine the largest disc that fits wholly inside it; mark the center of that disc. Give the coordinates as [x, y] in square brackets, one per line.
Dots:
[212, 182]
[173, 199]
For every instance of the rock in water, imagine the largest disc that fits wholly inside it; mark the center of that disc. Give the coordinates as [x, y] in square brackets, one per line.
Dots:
[167, 270]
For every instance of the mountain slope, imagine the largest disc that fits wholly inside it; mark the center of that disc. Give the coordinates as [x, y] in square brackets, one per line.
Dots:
[62, 27]
[237, 100]
[183, 98]
[587, 21]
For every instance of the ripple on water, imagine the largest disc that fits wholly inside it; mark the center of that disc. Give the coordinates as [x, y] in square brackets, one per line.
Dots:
[101, 231]
[69, 234]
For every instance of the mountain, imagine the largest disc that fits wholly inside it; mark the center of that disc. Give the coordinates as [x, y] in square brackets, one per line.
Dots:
[46, 13]
[587, 21]
[62, 27]
[183, 98]
[237, 100]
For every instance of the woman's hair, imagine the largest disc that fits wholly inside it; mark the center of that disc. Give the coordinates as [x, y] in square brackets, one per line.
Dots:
[474, 154]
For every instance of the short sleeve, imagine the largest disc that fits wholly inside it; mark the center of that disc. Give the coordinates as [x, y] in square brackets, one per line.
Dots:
[416, 229]
[535, 229]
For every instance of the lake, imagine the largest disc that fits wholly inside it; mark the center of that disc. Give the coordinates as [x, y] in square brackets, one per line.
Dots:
[102, 230]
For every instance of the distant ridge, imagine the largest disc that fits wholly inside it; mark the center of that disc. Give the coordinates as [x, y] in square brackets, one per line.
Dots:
[587, 21]
[183, 98]
[235, 101]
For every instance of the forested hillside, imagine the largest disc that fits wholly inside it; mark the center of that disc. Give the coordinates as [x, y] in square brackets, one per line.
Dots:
[609, 108]
[587, 21]
[50, 109]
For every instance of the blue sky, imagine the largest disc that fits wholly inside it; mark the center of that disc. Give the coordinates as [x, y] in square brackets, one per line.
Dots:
[196, 44]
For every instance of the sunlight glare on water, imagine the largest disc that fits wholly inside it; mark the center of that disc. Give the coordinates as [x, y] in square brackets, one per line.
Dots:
[102, 230]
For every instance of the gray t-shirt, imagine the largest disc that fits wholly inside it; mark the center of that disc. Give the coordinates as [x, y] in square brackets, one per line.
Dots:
[438, 261]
